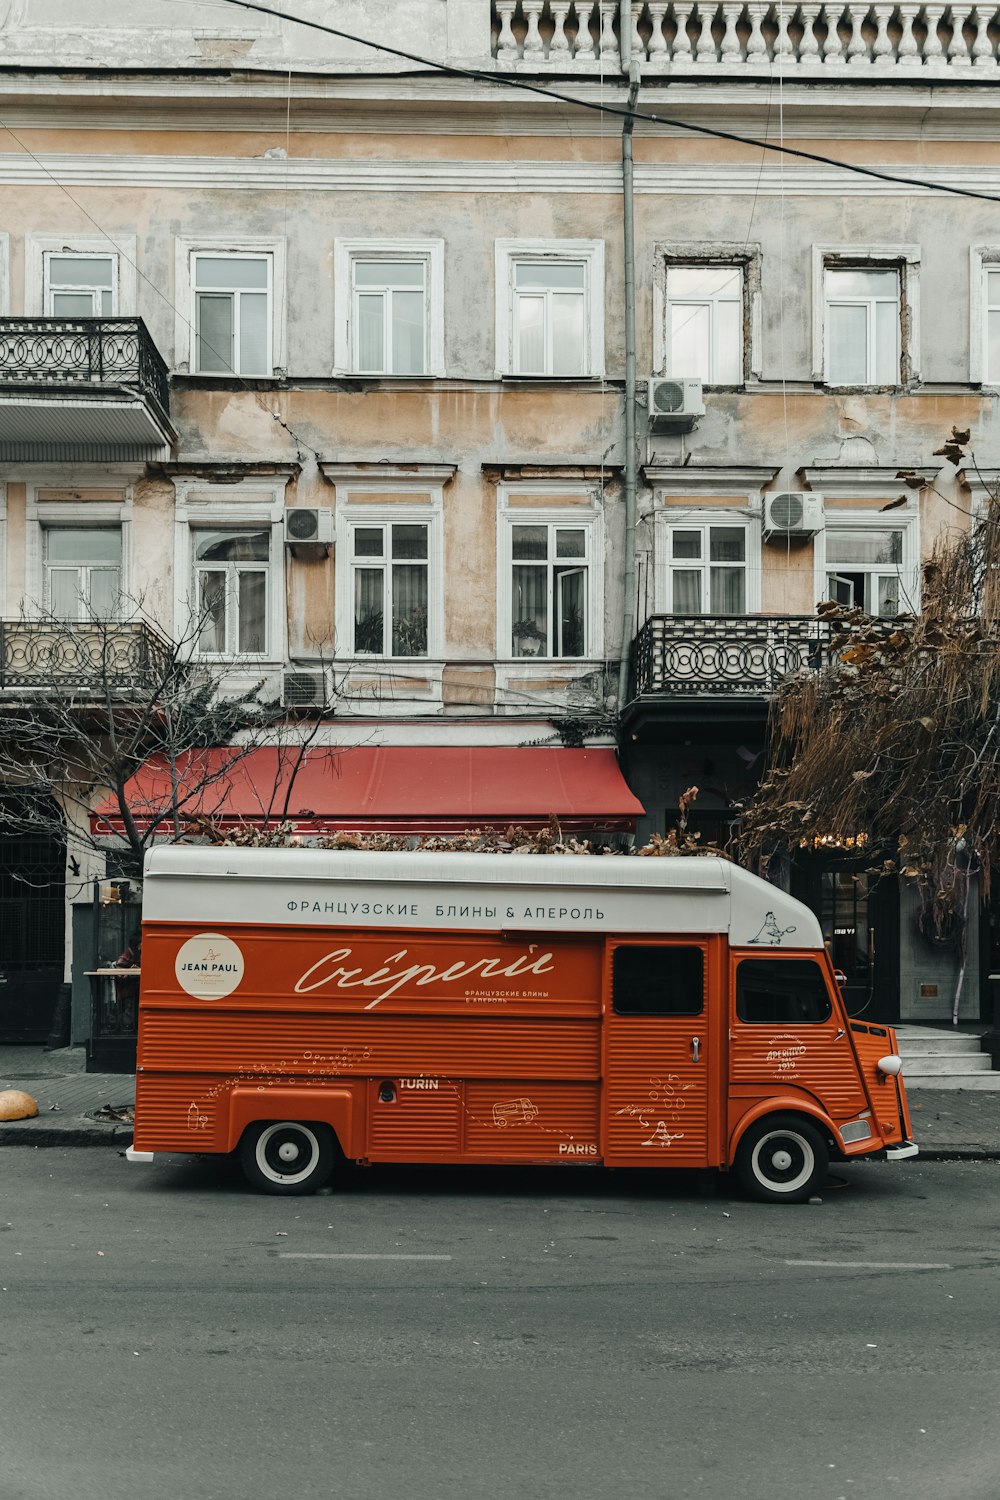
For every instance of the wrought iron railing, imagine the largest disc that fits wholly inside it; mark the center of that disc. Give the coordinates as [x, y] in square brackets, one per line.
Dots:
[49, 353]
[725, 655]
[88, 658]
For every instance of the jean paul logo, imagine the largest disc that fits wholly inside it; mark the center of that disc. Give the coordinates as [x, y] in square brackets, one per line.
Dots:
[209, 966]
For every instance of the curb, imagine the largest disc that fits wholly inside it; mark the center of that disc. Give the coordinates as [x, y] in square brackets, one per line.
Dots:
[87, 1133]
[958, 1153]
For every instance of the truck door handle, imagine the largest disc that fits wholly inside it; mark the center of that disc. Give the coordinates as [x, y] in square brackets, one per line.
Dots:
[695, 1048]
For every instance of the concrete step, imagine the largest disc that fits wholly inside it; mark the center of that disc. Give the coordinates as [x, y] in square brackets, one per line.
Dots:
[977, 1081]
[937, 1063]
[957, 1044]
[944, 1058]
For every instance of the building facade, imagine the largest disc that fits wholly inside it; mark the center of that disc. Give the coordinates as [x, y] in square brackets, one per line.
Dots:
[327, 348]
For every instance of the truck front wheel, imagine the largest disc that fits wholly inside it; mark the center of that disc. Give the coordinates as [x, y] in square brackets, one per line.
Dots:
[287, 1156]
[782, 1159]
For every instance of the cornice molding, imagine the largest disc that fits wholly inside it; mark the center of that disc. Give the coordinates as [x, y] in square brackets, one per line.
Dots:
[521, 177]
[225, 97]
[845, 481]
[344, 471]
[708, 480]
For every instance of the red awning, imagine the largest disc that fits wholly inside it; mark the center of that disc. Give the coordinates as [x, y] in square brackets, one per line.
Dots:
[387, 790]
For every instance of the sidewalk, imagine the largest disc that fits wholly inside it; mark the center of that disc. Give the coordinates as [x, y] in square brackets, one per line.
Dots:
[67, 1098]
[948, 1124]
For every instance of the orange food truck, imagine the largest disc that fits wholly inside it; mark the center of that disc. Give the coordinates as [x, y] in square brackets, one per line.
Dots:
[306, 1007]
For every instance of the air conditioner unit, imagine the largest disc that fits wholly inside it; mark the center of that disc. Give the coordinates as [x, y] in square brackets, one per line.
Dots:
[793, 513]
[308, 528]
[303, 687]
[674, 403]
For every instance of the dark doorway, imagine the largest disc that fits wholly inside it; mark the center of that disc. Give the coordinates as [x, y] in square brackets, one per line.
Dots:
[858, 911]
[32, 914]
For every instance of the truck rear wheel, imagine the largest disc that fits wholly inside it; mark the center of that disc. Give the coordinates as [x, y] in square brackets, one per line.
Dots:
[287, 1156]
[782, 1159]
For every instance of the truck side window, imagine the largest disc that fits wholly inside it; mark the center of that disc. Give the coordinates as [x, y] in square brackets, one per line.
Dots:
[776, 992]
[651, 981]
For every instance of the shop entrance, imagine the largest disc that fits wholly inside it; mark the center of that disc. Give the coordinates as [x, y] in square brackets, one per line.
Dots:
[859, 914]
[32, 915]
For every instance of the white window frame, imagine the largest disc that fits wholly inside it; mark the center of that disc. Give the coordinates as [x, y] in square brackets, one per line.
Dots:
[589, 516]
[902, 258]
[42, 515]
[201, 506]
[84, 569]
[982, 260]
[747, 258]
[121, 250]
[356, 509]
[428, 251]
[508, 252]
[906, 521]
[185, 323]
[672, 518]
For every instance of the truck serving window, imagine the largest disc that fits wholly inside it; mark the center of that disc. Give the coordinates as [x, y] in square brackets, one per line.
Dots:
[650, 981]
[781, 992]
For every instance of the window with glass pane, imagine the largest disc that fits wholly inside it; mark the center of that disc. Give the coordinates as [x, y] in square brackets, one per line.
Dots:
[390, 564]
[80, 286]
[992, 276]
[83, 572]
[549, 578]
[705, 323]
[231, 589]
[550, 318]
[865, 569]
[708, 570]
[232, 318]
[862, 326]
[390, 316]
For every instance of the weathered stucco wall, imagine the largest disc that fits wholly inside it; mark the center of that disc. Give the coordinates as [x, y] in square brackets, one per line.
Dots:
[401, 163]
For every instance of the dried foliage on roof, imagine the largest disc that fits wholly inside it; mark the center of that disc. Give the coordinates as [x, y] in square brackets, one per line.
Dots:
[895, 747]
[514, 840]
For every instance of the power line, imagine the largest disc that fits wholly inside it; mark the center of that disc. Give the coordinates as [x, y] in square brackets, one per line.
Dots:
[623, 112]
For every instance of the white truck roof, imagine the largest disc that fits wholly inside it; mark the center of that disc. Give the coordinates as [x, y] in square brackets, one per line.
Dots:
[224, 886]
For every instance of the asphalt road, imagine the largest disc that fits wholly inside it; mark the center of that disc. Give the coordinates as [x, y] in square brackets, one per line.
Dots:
[167, 1335]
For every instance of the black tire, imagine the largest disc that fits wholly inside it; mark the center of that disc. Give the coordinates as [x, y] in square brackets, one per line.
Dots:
[782, 1159]
[287, 1156]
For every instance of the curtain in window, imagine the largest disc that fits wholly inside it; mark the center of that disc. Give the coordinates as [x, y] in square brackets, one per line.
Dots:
[215, 333]
[530, 625]
[368, 616]
[408, 333]
[687, 591]
[212, 611]
[252, 597]
[728, 591]
[409, 610]
[571, 596]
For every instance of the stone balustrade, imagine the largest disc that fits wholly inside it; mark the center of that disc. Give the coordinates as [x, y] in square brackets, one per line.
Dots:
[903, 41]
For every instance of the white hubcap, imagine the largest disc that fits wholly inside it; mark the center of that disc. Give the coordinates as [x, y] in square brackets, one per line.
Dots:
[781, 1161]
[288, 1151]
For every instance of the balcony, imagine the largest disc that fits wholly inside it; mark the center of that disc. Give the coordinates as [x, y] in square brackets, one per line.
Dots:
[882, 42]
[744, 657]
[85, 661]
[82, 390]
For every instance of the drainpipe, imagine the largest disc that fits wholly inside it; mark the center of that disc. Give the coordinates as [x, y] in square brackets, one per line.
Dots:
[628, 610]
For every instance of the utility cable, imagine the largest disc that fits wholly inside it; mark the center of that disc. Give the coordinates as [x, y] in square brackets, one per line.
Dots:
[495, 80]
